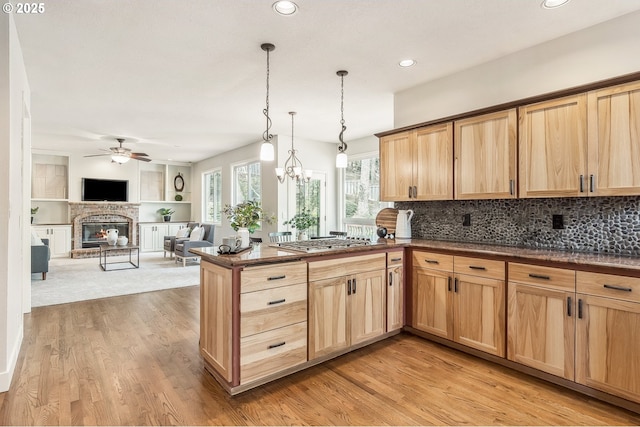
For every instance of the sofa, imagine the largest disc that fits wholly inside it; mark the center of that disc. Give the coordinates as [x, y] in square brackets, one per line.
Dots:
[40, 255]
[183, 247]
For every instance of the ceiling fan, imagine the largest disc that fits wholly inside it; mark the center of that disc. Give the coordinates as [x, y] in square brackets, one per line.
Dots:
[121, 154]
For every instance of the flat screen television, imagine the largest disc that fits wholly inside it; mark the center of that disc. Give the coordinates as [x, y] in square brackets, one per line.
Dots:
[104, 190]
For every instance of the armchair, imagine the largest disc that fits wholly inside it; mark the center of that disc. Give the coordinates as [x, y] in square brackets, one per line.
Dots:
[183, 247]
[40, 258]
[170, 241]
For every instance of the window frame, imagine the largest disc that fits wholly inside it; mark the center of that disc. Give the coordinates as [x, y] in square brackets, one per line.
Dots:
[204, 213]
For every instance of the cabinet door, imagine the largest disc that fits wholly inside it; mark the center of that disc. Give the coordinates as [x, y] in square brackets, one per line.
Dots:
[432, 302]
[147, 238]
[158, 238]
[608, 345]
[433, 162]
[553, 148]
[327, 317]
[60, 241]
[614, 140]
[485, 156]
[478, 313]
[395, 298]
[216, 318]
[396, 173]
[367, 305]
[541, 329]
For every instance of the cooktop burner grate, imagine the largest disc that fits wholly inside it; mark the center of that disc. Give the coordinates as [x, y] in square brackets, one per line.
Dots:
[321, 245]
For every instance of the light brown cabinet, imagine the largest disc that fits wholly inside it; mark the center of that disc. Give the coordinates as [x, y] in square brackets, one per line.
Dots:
[346, 302]
[417, 164]
[461, 299]
[553, 148]
[541, 318]
[485, 156]
[608, 334]
[614, 140]
[395, 291]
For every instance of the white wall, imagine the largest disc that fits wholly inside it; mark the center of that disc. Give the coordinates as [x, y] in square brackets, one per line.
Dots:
[14, 87]
[597, 53]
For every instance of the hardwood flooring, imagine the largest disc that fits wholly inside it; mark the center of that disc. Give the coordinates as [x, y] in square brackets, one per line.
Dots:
[134, 360]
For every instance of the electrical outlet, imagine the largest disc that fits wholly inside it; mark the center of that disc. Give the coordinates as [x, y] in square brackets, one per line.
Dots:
[466, 220]
[557, 221]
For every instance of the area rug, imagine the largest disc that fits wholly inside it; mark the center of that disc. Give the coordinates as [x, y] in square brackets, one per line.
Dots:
[70, 280]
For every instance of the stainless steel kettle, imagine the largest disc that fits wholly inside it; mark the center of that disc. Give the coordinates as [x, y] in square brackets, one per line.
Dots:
[403, 224]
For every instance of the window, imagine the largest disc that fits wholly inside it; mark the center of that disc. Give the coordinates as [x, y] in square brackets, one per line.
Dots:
[362, 195]
[247, 183]
[212, 197]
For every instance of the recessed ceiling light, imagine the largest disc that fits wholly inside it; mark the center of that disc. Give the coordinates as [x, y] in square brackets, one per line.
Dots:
[407, 63]
[552, 4]
[285, 7]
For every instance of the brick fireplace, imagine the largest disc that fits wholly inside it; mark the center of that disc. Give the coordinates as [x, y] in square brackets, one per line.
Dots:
[103, 213]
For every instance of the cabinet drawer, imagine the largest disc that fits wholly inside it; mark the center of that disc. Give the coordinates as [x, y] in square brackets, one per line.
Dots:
[548, 277]
[608, 285]
[272, 308]
[345, 266]
[479, 267]
[272, 276]
[395, 258]
[433, 261]
[270, 352]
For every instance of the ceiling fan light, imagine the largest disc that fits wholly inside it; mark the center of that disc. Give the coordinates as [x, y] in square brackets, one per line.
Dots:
[266, 152]
[120, 158]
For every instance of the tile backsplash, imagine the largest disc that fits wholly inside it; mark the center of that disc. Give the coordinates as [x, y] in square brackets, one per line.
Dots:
[591, 224]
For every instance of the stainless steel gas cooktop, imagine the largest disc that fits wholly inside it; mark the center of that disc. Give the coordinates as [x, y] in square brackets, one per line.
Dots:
[321, 245]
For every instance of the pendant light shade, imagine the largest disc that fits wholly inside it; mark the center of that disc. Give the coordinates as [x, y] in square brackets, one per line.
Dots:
[267, 153]
[341, 158]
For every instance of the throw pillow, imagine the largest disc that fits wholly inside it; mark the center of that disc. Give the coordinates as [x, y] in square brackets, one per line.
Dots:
[35, 240]
[183, 232]
[196, 234]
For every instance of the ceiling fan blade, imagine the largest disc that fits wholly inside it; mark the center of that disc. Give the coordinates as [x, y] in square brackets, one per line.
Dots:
[140, 154]
[144, 159]
[98, 155]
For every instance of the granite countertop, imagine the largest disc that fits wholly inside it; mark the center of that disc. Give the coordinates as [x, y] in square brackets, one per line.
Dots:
[263, 253]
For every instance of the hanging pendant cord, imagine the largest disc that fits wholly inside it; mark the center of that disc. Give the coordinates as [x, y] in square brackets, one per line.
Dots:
[266, 136]
[343, 146]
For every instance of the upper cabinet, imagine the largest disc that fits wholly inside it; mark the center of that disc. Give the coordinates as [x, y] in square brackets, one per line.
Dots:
[485, 156]
[553, 148]
[49, 177]
[614, 140]
[165, 183]
[418, 164]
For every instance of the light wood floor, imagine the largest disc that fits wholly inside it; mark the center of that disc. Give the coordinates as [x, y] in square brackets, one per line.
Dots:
[134, 360]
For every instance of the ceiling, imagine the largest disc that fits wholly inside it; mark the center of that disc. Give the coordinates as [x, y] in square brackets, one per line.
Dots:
[186, 79]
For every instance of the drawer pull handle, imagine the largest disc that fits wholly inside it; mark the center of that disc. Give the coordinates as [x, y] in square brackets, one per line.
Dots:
[410, 192]
[476, 267]
[280, 344]
[618, 288]
[569, 306]
[279, 301]
[396, 259]
[582, 183]
[276, 277]
[432, 261]
[539, 276]
[591, 183]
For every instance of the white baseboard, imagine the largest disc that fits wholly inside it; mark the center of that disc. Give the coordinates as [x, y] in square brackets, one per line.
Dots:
[7, 375]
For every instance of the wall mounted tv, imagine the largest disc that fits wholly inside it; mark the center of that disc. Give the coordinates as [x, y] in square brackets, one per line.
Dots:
[104, 190]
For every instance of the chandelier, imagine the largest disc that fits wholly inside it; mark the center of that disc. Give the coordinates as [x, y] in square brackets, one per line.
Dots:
[266, 150]
[341, 158]
[293, 166]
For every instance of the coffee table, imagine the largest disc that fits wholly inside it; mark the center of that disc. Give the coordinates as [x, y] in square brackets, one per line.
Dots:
[105, 249]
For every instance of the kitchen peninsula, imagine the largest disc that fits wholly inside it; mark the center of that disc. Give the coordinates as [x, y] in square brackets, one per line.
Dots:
[569, 318]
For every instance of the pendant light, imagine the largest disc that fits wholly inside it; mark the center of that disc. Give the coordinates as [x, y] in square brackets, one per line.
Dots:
[341, 158]
[266, 150]
[293, 166]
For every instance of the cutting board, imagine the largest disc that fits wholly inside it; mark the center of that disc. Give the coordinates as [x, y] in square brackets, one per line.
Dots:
[387, 218]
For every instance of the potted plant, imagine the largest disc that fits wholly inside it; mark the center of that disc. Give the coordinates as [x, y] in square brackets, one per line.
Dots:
[33, 212]
[302, 221]
[166, 213]
[245, 218]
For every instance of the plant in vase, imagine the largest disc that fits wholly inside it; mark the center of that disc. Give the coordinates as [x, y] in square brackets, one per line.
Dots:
[33, 212]
[245, 218]
[302, 221]
[166, 213]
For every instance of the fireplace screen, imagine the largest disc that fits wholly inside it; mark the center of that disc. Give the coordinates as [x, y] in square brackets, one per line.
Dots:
[95, 233]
